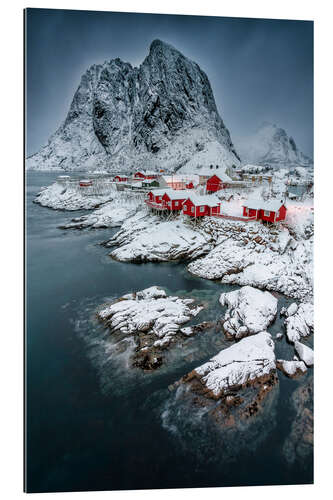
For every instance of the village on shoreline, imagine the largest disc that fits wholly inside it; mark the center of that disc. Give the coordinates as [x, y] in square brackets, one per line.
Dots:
[247, 228]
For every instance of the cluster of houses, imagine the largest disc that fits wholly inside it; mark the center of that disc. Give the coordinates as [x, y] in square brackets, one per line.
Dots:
[194, 205]
[175, 193]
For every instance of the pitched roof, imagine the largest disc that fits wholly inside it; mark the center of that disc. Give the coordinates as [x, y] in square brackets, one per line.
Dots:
[160, 192]
[270, 205]
[209, 200]
[180, 194]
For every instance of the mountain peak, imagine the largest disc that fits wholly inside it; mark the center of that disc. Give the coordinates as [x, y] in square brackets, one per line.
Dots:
[161, 115]
[271, 145]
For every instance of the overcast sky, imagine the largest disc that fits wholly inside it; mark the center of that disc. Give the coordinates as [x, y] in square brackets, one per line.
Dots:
[259, 70]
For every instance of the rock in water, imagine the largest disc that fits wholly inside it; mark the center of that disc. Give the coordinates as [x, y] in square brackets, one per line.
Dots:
[291, 369]
[305, 353]
[249, 311]
[154, 320]
[159, 115]
[234, 384]
[300, 323]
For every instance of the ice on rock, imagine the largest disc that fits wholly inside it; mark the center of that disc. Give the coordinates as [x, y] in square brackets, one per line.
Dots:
[249, 311]
[247, 360]
[305, 353]
[301, 322]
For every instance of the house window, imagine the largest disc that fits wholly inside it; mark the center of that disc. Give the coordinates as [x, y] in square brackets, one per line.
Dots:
[185, 207]
[176, 203]
[192, 210]
[267, 213]
[278, 214]
[202, 209]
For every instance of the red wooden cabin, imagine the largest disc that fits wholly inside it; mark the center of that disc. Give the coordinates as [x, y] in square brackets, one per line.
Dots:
[156, 195]
[118, 178]
[270, 211]
[139, 175]
[85, 183]
[145, 175]
[174, 199]
[190, 185]
[150, 175]
[199, 206]
[214, 184]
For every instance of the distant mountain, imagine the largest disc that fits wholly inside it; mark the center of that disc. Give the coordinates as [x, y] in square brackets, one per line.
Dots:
[158, 116]
[271, 145]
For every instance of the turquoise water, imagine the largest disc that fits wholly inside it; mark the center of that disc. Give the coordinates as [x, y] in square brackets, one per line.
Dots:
[92, 423]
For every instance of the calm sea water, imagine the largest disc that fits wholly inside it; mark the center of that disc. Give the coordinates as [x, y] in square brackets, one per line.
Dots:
[92, 423]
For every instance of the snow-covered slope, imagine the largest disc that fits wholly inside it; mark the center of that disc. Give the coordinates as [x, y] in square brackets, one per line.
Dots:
[160, 115]
[271, 145]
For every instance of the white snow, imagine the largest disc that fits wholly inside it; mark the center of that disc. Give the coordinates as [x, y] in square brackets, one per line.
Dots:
[305, 353]
[70, 197]
[291, 368]
[250, 358]
[149, 310]
[249, 311]
[144, 238]
[301, 322]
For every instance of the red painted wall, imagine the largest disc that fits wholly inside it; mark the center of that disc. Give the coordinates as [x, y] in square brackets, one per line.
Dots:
[250, 212]
[214, 184]
[172, 203]
[187, 210]
[139, 175]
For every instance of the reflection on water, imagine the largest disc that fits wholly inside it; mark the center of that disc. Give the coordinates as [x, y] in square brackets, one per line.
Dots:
[93, 423]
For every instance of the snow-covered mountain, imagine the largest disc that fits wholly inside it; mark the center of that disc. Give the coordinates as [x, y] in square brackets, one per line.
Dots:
[271, 145]
[158, 116]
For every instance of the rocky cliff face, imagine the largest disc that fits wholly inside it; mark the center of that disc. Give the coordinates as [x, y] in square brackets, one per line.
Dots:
[271, 145]
[160, 115]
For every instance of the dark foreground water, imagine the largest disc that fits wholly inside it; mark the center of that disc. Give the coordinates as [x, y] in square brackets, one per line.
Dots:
[94, 424]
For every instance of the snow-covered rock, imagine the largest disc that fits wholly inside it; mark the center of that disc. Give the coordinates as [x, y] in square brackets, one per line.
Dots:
[305, 353]
[60, 196]
[279, 336]
[291, 368]
[250, 254]
[270, 145]
[248, 360]
[292, 309]
[112, 214]
[144, 238]
[154, 319]
[301, 322]
[160, 115]
[249, 311]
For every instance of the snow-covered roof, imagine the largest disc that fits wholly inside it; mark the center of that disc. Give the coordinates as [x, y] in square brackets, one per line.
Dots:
[160, 192]
[179, 194]
[85, 180]
[149, 181]
[270, 205]
[180, 178]
[209, 200]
